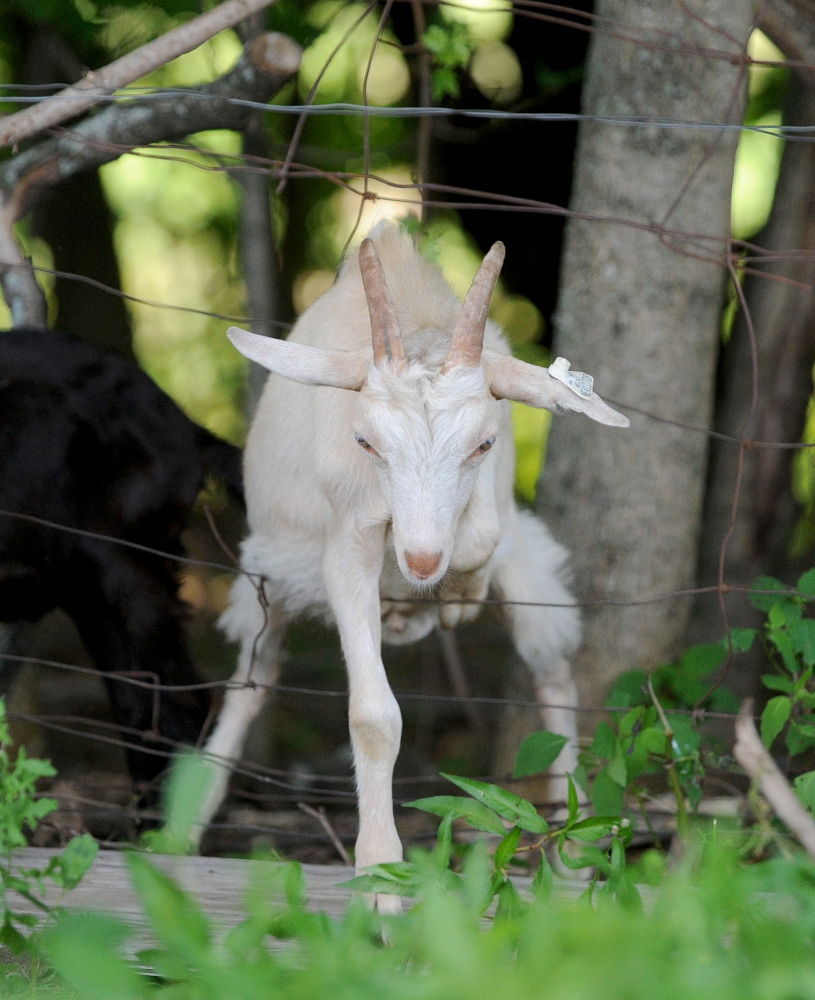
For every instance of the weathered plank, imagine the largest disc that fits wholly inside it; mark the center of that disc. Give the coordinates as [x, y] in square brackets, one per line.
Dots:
[218, 884]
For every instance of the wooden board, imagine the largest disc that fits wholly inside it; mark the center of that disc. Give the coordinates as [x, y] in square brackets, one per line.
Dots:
[218, 884]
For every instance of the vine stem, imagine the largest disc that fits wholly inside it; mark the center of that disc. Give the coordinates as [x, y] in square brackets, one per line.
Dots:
[682, 823]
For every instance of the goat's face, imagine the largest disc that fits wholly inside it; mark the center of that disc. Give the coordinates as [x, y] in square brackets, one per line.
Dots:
[427, 434]
[428, 426]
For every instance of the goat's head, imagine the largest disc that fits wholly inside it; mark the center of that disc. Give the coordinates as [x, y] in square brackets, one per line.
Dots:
[427, 429]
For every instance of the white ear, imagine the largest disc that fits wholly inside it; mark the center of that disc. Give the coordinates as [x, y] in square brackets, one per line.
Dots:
[309, 365]
[510, 378]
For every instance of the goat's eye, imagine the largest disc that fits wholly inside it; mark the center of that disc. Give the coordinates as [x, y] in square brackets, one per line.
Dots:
[483, 448]
[364, 444]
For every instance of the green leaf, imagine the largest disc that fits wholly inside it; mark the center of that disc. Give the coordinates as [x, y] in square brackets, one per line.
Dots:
[163, 964]
[686, 736]
[537, 752]
[190, 778]
[616, 768]
[784, 613]
[777, 683]
[782, 640]
[83, 948]
[473, 812]
[606, 796]
[544, 879]
[593, 828]
[774, 717]
[742, 639]
[806, 583]
[632, 721]
[505, 851]
[628, 689]
[175, 917]
[799, 738]
[703, 659]
[12, 938]
[803, 639]
[804, 786]
[572, 801]
[444, 843]
[590, 856]
[604, 742]
[510, 904]
[653, 739]
[445, 83]
[512, 807]
[76, 860]
[765, 601]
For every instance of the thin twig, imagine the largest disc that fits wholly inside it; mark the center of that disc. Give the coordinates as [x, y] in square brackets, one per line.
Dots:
[322, 819]
[756, 761]
[682, 825]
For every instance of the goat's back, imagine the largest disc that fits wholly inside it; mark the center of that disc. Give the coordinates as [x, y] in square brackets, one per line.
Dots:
[88, 439]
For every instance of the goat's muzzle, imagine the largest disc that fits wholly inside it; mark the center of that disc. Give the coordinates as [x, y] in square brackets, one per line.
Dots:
[423, 564]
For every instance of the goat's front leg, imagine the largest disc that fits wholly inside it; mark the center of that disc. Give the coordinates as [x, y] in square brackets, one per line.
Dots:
[259, 629]
[545, 628]
[352, 567]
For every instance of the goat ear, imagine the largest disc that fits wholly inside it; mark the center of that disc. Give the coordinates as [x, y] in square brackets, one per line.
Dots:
[510, 378]
[301, 363]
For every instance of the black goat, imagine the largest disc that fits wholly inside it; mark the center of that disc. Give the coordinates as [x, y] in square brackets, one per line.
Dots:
[87, 440]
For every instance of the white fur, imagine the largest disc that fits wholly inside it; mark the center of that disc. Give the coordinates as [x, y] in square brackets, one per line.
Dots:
[338, 532]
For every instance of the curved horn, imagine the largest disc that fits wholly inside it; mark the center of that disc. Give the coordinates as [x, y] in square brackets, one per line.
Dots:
[385, 334]
[468, 336]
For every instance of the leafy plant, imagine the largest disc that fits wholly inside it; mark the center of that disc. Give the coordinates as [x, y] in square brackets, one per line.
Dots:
[451, 47]
[21, 810]
[495, 810]
[714, 930]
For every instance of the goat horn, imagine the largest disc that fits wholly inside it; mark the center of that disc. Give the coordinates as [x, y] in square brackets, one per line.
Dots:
[468, 336]
[385, 333]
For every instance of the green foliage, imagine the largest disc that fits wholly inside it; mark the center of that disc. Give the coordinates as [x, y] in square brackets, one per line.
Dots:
[451, 46]
[622, 751]
[190, 776]
[20, 811]
[789, 641]
[711, 926]
[712, 931]
[537, 752]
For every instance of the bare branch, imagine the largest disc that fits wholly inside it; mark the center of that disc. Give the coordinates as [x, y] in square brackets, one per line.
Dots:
[753, 757]
[24, 296]
[268, 62]
[83, 95]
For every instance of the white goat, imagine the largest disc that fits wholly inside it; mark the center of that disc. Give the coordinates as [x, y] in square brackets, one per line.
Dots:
[360, 500]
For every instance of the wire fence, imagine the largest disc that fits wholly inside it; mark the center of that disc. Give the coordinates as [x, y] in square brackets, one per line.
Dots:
[737, 258]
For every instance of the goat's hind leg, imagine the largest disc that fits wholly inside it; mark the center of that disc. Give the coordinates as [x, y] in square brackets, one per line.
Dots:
[259, 628]
[544, 629]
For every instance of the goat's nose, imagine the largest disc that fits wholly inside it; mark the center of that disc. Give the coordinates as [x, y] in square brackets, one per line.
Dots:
[423, 564]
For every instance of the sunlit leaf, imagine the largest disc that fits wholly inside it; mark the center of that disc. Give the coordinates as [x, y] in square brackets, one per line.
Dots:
[473, 812]
[537, 752]
[774, 717]
[507, 804]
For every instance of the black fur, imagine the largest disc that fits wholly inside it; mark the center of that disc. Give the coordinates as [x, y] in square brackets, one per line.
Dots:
[89, 441]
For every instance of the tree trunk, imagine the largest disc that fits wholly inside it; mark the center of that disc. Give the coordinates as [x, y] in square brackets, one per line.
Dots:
[641, 312]
[783, 317]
